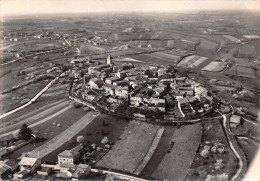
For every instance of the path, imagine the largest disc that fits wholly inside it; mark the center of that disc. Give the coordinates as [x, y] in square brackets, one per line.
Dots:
[48, 51]
[63, 137]
[242, 167]
[31, 101]
[38, 122]
[33, 115]
[150, 152]
[119, 175]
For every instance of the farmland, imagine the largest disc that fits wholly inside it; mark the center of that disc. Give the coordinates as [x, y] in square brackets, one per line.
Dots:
[175, 165]
[129, 151]
[203, 165]
[215, 66]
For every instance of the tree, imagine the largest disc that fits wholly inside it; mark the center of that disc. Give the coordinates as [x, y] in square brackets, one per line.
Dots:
[25, 133]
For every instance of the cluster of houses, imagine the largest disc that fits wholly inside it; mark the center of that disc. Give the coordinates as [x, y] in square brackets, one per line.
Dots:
[68, 166]
[155, 88]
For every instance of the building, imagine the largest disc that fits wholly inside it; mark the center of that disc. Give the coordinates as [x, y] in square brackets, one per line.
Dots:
[69, 157]
[44, 171]
[95, 83]
[13, 165]
[29, 163]
[136, 100]
[235, 121]
[109, 60]
[81, 172]
[162, 71]
[111, 80]
[122, 92]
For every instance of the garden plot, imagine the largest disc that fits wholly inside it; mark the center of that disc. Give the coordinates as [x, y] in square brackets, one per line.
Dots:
[215, 67]
[244, 71]
[129, 151]
[231, 38]
[175, 165]
[187, 60]
[166, 55]
[198, 62]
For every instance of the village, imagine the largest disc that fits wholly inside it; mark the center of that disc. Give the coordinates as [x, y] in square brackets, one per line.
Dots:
[140, 92]
[129, 97]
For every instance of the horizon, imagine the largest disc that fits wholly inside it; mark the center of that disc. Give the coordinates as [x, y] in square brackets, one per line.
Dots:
[48, 7]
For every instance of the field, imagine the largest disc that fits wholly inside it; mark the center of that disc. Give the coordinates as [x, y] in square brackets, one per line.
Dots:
[249, 149]
[47, 130]
[232, 38]
[193, 61]
[246, 72]
[212, 136]
[128, 152]
[93, 134]
[215, 66]
[175, 165]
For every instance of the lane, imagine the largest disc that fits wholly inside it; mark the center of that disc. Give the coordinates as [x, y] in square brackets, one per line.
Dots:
[119, 175]
[63, 137]
[242, 167]
[39, 122]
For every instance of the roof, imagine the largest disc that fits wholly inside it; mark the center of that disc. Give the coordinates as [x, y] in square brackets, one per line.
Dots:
[3, 169]
[66, 153]
[29, 161]
[45, 169]
[11, 163]
[235, 119]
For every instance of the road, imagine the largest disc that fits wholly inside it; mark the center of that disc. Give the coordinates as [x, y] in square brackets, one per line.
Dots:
[49, 51]
[31, 101]
[242, 165]
[38, 122]
[119, 175]
[63, 137]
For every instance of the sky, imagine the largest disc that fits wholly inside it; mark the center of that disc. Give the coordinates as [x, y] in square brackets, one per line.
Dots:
[20, 7]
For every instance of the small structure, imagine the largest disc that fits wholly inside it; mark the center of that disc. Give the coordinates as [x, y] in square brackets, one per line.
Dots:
[69, 157]
[29, 163]
[81, 172]
[22, 174]
[44, 171]
[235, 121]
[13, 165]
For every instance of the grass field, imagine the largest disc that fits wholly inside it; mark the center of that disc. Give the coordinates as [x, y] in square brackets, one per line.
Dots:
[47, 130]
[249, 149]
[93, 134]
[129, 151]
[160, 151]
[175, 165]
[202, 166]
[215, 66]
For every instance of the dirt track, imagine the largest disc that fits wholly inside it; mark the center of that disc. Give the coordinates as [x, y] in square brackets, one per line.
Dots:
[63, 137]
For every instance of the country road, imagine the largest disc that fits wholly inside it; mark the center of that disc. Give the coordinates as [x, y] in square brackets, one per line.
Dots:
[242, 165]
[119, 175]
[38, 122]
[15, 60]
[63, 137]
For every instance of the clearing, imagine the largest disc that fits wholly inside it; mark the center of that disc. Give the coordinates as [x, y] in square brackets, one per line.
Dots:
[175, 165]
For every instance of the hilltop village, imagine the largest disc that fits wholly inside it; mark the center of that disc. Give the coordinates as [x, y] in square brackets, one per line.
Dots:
[142, 92]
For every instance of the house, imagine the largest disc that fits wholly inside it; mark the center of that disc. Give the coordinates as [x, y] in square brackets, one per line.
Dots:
[96, 83]
[235, 121]
[4, 171]
[111, 80]
[13, 165]
[136, 100]
[22, 174]
[121, 92]
[162, 71]
[69, 157]
[44, 171]
[81, 172]
[121, 83]
[121, 74]
[110, 89]
[30, 163]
